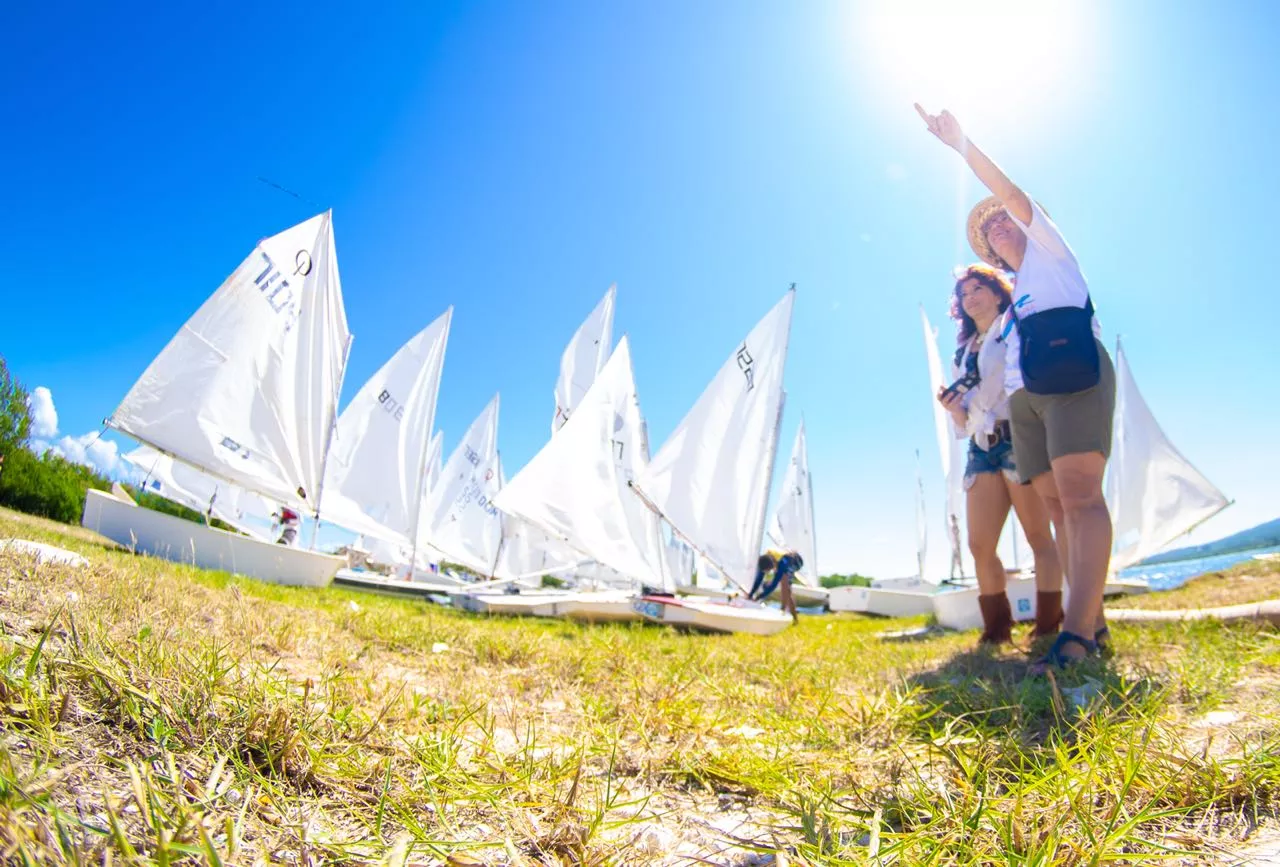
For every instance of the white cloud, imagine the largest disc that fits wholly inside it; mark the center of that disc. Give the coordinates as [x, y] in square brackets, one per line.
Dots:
[44, 416]
[895, 172]
[89, 449]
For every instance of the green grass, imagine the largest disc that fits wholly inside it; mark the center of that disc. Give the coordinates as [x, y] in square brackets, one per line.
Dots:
[153, 713]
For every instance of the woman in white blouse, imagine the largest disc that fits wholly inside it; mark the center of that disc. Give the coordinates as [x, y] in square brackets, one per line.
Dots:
[979, 406]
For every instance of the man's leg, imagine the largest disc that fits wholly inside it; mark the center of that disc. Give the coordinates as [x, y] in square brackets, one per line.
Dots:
[788, 599]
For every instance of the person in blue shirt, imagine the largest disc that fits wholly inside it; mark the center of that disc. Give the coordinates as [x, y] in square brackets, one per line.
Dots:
[784, 565]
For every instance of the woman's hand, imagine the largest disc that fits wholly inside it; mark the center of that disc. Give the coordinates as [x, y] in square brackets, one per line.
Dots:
[946, 128]
[952, 402]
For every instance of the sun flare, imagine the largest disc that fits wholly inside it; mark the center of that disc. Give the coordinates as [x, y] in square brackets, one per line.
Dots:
[997, 64]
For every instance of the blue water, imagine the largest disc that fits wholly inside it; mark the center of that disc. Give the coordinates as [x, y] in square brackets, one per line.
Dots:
[1167, 576]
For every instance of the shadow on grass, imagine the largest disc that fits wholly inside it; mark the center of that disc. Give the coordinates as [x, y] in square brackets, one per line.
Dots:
[994, 693]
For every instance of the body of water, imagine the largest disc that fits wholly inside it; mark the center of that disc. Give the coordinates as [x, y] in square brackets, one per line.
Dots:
[1167, 576]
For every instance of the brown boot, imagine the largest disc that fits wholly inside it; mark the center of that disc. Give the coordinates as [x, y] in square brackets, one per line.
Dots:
[1048, 613]
[997, 619]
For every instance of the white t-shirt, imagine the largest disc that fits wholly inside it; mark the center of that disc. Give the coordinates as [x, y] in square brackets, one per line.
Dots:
[1049, 278]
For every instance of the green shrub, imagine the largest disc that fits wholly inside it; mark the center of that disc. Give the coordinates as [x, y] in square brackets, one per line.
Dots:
[47, 485]
[854, 580]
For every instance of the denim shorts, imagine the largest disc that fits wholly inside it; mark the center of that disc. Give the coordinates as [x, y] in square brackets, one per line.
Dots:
[997, 459]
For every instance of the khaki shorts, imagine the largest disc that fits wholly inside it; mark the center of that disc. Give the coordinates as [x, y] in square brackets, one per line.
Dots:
[1049, 426]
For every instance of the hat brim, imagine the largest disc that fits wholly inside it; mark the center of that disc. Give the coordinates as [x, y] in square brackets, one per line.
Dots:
[978, 217]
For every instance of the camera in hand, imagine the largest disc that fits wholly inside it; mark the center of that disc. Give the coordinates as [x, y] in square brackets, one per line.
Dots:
[961, 385]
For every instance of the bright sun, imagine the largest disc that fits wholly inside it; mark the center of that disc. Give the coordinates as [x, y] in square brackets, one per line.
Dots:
[997, 64]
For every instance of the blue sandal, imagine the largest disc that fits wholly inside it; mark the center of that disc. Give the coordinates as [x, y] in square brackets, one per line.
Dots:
[1055, 658]
[1102, 638]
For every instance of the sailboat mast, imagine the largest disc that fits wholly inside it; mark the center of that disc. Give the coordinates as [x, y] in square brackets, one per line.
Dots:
[813, 518]
[772, 462]
[328, 443]
[777, 429]
[419, 491]
[921, 527]
[502, 530]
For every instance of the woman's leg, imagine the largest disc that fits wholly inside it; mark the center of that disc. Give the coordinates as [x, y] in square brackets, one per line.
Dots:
[1033, 515]
[988, 506]
[987, 503]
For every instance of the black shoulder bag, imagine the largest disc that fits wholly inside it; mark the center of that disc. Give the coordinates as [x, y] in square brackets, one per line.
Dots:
[1058, 353]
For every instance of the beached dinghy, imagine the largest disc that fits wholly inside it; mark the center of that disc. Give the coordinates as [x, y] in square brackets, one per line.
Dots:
[898, 597]
[599, 606]
[710, 481]
[169, 537]
[270, 343]
[706, 615]
[375, 582]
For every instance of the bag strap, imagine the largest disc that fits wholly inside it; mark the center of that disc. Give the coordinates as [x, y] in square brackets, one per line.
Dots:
[1013, 311]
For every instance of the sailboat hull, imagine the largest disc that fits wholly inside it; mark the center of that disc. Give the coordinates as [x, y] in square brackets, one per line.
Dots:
[805, 597]
[712, 616]
[375, 583]
[603, 606]
[169, 537]
[909, 600]
[958, 609]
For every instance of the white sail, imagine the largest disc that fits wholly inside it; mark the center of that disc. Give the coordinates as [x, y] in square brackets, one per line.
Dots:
[576, 488]
[706, 576]
[199, 491]
[583, 358]
[792, 526]
[460, 520]
[950, 449]
[529, 553]
[379, 461]
[435, 463]
[680, 562]
[711, 479]
[248, 388]
[1154, 494]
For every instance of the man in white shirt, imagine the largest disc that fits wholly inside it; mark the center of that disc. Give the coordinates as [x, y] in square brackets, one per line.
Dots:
[1060, 382]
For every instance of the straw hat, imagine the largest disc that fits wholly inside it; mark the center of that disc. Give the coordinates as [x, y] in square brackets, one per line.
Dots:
[978, 217]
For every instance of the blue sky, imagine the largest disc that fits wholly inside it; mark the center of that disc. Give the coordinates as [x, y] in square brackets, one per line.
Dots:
[514, 159]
